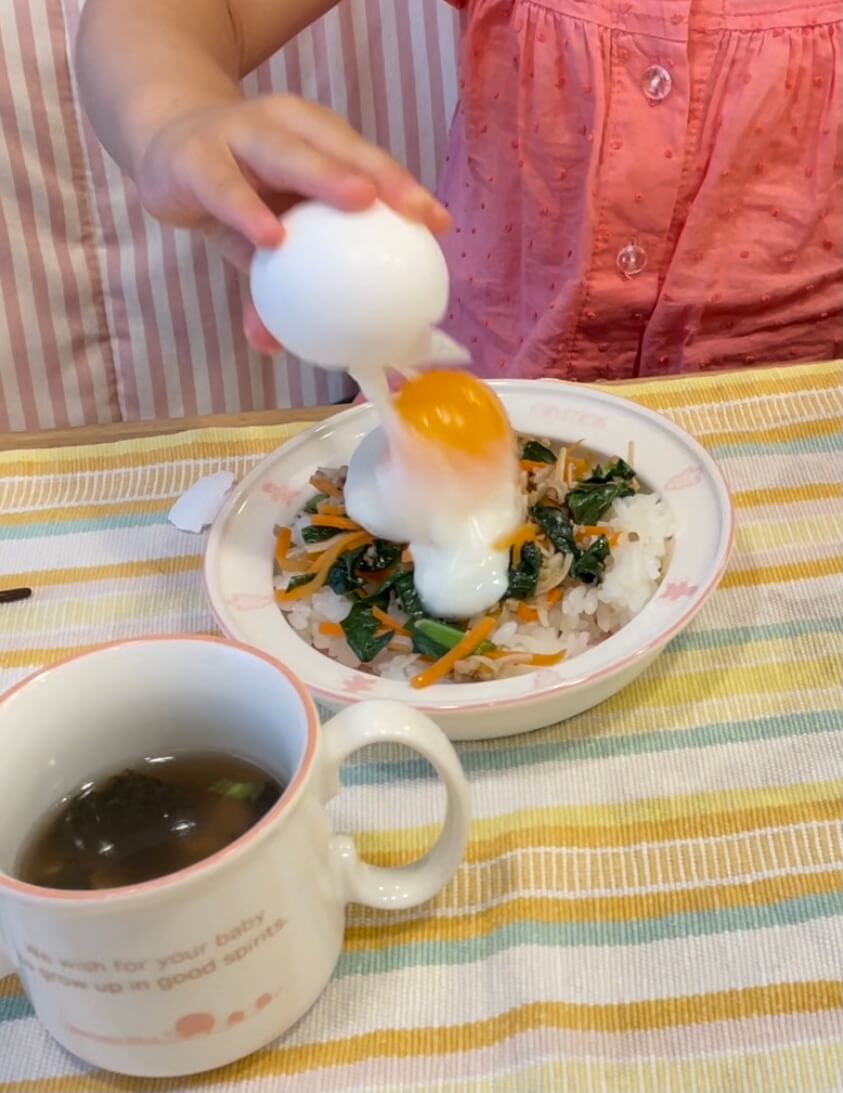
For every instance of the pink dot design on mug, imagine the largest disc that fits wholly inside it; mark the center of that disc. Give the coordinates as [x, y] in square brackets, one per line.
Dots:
[235, 1018]
[195, 1024]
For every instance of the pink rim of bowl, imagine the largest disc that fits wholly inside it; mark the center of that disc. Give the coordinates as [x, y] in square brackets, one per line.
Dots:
[657, 642]
[214, 861]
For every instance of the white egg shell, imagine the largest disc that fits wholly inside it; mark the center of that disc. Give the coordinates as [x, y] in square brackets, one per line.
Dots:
[350, 290]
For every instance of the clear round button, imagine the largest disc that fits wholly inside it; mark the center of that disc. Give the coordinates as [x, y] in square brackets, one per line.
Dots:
[631, 259]
[657, 83]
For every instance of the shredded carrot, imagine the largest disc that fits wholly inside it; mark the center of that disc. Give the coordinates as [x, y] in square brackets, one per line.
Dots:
[554, 595]
[343, 523]
[322, 565]
[542, 660]
[526, 533]
[324, 485]
[325, 508]
[331, 629]
[579, 467]
[596, 529]
[533, 660]
[282, 546]
[525, 613]
[533, 465]
[389, 622]
[376, 578]
[407, 556]
[464, 648]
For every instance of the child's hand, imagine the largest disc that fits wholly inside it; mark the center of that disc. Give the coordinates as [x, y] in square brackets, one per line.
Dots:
[230, 169]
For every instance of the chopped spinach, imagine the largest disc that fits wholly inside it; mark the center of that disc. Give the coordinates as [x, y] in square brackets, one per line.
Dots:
[312, 534]
[524, 577]
[342, 578]
[299, 580]
[537, 453]
[242, 791]
[619, 469]
[589, 566]
[432, 638]
[557, 527]
[362, 632]
[407, 594]
[379, 556]
[423, 644]
[589, 500]
[313, 504]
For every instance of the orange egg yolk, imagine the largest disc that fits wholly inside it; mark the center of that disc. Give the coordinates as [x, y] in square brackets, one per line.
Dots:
[454, 411]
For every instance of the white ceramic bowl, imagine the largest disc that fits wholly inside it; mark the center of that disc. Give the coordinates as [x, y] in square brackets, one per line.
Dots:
[239, 560]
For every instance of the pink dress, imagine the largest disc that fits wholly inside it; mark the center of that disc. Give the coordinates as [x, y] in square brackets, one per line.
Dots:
[646, 186]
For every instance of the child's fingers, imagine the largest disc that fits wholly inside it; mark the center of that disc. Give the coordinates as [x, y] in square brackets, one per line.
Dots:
[337, 139]
[256, 333]
[232, 246]
[219, 185]
[287, 163]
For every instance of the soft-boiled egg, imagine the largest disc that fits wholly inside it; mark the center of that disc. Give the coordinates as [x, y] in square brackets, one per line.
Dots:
[355, 290]
[442, 475]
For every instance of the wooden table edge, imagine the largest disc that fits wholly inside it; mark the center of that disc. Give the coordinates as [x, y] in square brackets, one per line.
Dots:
[136, 430]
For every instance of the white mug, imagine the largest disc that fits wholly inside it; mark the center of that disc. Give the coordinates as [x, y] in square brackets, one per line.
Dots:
[197, 968]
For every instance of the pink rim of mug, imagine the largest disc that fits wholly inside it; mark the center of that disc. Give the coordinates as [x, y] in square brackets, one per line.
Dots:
[174, 880]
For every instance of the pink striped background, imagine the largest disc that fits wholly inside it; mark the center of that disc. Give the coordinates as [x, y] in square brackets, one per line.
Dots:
[105, 315]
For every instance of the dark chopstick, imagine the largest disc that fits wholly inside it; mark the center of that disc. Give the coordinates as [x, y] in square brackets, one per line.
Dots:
[12, 595]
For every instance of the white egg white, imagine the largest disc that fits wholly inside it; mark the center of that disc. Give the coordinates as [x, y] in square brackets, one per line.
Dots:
[450, 521]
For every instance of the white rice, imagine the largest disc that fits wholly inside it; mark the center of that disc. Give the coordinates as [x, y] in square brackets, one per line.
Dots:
[585, 616]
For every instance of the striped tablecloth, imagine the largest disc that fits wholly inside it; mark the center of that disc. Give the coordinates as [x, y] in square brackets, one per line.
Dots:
[652, 898]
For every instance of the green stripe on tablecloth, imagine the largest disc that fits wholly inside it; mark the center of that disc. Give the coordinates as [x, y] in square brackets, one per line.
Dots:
[602, 747]
[513, 935]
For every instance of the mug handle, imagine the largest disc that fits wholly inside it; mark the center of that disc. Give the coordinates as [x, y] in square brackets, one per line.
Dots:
[380, 722]
[6, 965]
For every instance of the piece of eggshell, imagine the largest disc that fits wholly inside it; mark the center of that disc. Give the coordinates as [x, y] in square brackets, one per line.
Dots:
[198, 507]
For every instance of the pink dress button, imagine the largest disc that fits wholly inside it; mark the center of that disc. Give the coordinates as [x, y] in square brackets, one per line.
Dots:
[657, 83]
[631, 259]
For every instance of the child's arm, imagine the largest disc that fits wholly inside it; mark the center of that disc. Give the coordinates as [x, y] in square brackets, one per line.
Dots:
[159, 80]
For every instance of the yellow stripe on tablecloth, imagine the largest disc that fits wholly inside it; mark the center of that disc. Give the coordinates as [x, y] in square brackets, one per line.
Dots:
[743, 499]
[221, 442]
[653, 820]
[550, 872]
[667, 394]
[746, 499]
[779, 574]
[115, 571]
[678, 689]
[624, 907]
[774, 534]
[69, 514]
[778, 999]
[787, 495]
[777, 434]
[816, 1067]
[200, 445]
